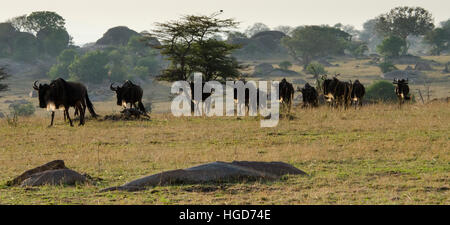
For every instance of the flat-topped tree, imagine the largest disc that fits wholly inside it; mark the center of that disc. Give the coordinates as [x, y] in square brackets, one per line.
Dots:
[190, 46]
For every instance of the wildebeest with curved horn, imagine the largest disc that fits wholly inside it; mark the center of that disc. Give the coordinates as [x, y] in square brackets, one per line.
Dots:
[358, 92]
[129, 93]
[338, 91]
[286, 93]
[61, 94]
[402, 90]
[310, 96]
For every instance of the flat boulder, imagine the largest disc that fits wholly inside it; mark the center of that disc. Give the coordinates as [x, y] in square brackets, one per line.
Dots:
[51, 173]
[55, 177]
[218, 172]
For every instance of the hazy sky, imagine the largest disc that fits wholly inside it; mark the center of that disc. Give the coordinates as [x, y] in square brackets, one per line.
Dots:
[87, 20]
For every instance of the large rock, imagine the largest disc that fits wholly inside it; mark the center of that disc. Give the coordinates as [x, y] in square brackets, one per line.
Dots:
[218, 172]
[51, 173]
[55, 177]
[117, 36]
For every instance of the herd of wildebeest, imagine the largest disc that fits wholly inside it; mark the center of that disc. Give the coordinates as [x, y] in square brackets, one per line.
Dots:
[62, 95]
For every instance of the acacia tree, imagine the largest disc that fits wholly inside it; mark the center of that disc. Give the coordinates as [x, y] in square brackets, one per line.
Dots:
[405, 21]
[190, 46]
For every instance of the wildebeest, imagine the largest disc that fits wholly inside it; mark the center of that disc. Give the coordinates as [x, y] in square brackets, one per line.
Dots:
[286, 93]
[61, 94]
[194, 103]
[129, 93]
[402, 90]
[358, 92]
[247, 97]
[310, 96]
[337, 91]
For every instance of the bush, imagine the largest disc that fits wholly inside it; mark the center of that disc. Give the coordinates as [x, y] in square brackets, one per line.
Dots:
[316, 69]
[22, 109]
[285, 65]
[381, 91]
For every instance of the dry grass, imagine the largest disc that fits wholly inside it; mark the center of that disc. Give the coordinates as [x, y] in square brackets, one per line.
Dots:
[376, 155]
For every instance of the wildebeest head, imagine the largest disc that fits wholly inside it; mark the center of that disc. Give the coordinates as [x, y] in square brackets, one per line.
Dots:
[43, 93]
[119, 92]
[402, 88]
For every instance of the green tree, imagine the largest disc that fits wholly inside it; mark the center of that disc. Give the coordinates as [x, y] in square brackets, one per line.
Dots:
[63, 61]
[357, 48]
[285, 65]
[256, 28]
[316, 69]
[381, 91]
[187, 44]
[25, 47]
[309, 42]
[40, 20]
[53, 41]
[391, 46]
[439, 39]
[405, 21]
[91, 67]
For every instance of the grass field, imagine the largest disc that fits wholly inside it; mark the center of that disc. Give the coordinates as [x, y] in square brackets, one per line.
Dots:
[375, 155]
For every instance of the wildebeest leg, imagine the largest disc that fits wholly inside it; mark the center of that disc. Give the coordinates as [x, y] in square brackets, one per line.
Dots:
[66, 110]
[79, 108]
[53, 116]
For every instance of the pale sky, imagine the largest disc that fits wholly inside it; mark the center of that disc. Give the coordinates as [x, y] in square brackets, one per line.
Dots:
[87, 20]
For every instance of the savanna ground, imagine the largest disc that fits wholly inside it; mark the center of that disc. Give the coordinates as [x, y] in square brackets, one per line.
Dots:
[375, 155]
[379, 154]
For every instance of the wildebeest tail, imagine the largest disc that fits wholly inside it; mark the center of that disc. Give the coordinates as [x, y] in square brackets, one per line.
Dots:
[90, 106]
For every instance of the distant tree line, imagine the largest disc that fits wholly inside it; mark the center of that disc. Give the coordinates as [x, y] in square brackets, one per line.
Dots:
[27, 37]
[135, 60]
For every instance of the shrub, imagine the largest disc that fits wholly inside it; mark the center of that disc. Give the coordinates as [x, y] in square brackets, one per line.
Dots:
[381, 91]
[22, 109]
[285, 65]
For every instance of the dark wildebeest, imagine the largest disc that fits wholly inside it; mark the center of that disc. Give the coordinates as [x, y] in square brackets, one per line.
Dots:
[402, 90]
[310, 96]
[286, 93]
[60, 94]
[337, 91]
[205, 96]
[358, 92]
[246, 97]
[129, 93]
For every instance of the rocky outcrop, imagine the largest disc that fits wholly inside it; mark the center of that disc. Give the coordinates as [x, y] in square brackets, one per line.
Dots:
[218, 172]
[117, 36]
[51, 173]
